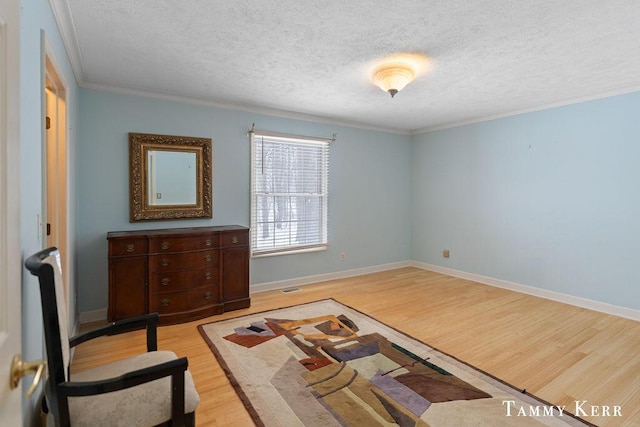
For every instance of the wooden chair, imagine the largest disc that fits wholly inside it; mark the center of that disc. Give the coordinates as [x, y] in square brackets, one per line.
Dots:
[153, 388]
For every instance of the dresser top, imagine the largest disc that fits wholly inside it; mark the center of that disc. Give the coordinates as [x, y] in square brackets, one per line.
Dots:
[175, 232]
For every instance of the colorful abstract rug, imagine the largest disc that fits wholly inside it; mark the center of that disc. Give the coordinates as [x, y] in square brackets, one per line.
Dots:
[325, 364]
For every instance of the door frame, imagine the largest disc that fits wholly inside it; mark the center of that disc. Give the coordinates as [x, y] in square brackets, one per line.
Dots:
[56, 196]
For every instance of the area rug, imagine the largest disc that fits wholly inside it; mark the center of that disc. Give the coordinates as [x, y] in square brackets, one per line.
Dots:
[326, 364]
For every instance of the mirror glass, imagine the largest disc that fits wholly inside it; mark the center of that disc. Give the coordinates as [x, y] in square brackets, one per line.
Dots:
[172, 177]
[169, 177]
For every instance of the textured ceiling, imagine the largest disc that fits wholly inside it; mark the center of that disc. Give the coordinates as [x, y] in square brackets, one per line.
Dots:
[487, 58]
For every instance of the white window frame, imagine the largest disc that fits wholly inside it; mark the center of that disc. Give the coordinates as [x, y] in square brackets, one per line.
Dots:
[260, 247]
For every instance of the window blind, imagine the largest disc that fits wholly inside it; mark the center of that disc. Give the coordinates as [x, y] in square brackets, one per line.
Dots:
[289, 183]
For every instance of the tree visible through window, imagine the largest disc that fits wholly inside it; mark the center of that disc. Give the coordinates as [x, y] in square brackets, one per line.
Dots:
[288, 193]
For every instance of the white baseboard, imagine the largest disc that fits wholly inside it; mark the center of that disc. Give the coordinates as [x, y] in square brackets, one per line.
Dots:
[307, 280]
[93, 316]
[627, 313]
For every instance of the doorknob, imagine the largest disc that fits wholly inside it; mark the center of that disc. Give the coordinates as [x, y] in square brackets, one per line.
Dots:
[19, 369]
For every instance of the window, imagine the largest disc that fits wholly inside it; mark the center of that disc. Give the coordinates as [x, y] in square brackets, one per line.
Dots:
[289, 180]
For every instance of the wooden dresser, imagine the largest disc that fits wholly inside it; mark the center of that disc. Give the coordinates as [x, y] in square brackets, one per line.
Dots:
[181, 273]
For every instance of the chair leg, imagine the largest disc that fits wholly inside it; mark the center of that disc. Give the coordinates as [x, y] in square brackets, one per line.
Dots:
[189, 421]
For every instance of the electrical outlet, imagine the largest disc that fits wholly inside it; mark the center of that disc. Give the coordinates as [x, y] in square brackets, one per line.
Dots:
[343, 256]
[445, 253]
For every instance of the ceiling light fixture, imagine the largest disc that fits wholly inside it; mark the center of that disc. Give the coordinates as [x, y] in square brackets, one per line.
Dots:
[393, 77]
[394, 72]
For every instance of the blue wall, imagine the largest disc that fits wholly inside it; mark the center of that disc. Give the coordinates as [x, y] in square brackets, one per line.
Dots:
[548, 199]
[369, 186]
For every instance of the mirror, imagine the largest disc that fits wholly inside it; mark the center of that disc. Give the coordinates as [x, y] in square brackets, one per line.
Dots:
[169, 177]
[172, 177]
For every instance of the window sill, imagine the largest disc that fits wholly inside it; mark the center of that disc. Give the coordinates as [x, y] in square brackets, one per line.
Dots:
[289, 251]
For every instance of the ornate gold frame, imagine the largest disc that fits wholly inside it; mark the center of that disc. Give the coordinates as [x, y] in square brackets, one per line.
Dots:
[139, 207]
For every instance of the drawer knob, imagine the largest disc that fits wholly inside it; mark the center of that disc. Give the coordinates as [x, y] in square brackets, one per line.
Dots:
[207, 258]
[165, 245]
[208, 295]
[130, 247]
[165, 281]
[208, 276]
[208, 242]
[165, 302]
[164, 262]
[234, 240]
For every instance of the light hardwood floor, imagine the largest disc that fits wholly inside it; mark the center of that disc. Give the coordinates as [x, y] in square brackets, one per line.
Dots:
[561, 353]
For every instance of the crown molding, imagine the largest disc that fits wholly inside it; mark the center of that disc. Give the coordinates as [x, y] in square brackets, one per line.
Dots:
[135, 91]
[600, 95]
[64, 20]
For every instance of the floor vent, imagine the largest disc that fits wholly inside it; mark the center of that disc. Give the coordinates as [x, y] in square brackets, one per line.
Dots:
[288, 291]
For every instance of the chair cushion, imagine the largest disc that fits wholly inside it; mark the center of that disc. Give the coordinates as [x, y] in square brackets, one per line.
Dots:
[147, 404]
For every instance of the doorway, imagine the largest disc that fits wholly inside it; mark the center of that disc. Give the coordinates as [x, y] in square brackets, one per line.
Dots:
[55, 185]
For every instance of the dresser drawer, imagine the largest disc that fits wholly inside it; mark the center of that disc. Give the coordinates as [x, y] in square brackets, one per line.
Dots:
[234, 238]
[172, 281]
[175, 302]
[128, 247]
[183, 261]
[182, 244]
[203, 297]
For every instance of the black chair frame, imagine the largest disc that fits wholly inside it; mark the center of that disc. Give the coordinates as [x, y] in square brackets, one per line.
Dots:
[58, 389]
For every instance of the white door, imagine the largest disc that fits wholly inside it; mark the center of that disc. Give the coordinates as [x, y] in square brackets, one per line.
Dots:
[10, 258]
